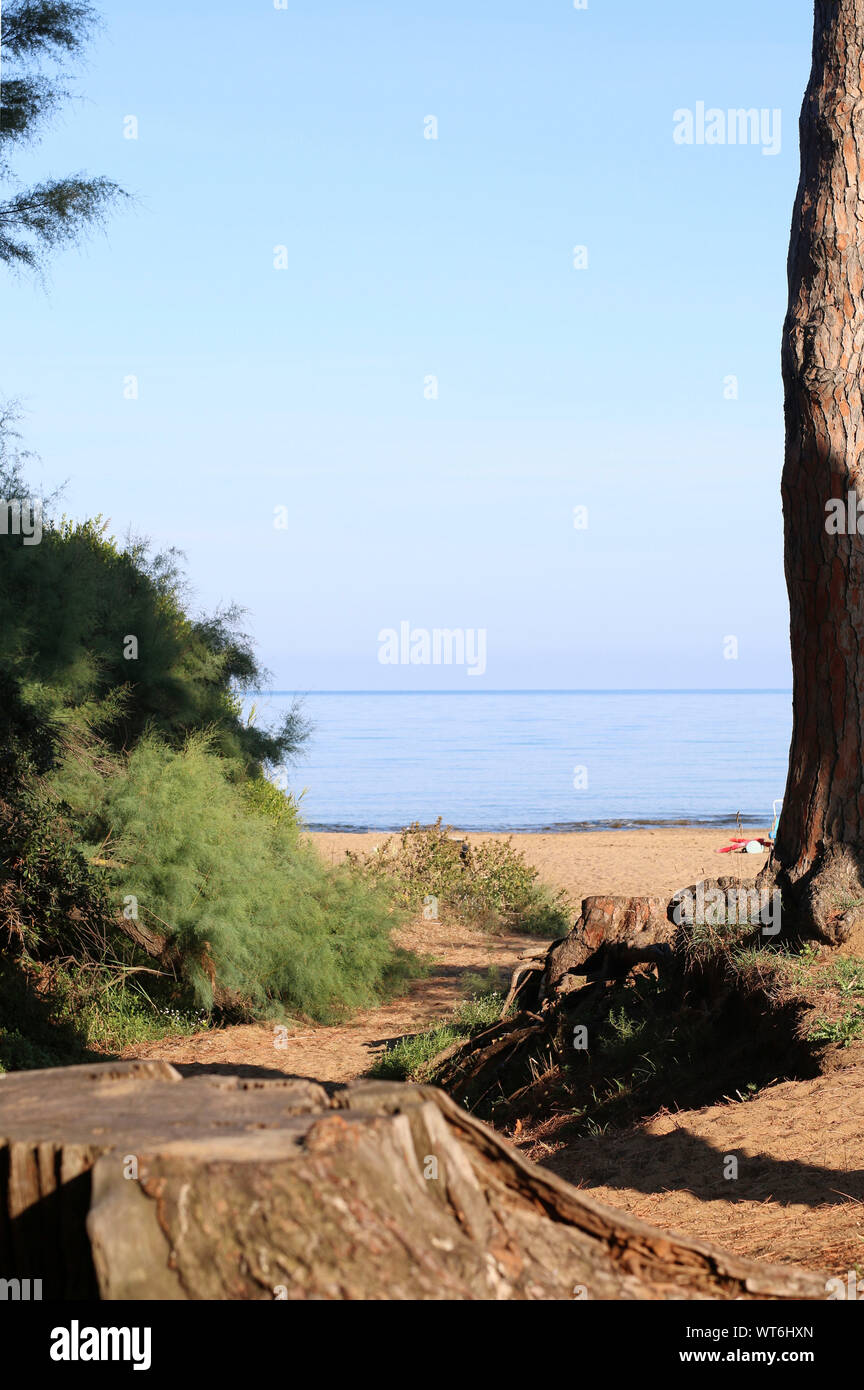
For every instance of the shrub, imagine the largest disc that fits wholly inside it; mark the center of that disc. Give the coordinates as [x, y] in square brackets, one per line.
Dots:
[53, 1014]
[69, 606]
[138, 830]
[489, 883]
[251, 919]
[51, 900]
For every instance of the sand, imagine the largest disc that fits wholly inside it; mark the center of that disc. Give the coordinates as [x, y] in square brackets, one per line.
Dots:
[603, 861]
[799, 1194]
[342, 1053]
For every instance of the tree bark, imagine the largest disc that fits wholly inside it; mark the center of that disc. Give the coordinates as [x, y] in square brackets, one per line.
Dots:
[820, 840]
[126, 1181]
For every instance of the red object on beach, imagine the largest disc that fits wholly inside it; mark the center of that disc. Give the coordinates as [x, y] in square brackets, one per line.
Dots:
[732, 848]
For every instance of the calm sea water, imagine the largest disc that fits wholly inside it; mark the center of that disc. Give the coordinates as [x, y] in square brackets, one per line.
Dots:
[538, 761]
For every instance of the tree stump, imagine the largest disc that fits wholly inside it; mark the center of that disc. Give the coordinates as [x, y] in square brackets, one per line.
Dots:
[127, 1181]
[636, 922]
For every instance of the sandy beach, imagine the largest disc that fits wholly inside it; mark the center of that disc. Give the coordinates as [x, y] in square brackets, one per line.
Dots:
[603, 861]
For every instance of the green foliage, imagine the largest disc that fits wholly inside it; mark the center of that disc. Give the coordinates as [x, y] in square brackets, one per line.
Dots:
[51, 901]
[18, 1052]
[263, 797]
[831, 984]
[121, 1014]
[252, 917]
[621, 1032]
[70, 606]
[843, 1030]
[407, 1059]
[36, 220]
[50, 214]
[44, 26]
[35, 1028]
[57, 1015]
[490, 883]
[131, 773]
[843, 973]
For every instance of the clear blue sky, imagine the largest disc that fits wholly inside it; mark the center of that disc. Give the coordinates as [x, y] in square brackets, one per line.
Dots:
[409, 257]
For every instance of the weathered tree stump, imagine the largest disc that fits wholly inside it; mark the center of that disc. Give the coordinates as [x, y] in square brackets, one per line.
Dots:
[129, 1181]
[636, 922]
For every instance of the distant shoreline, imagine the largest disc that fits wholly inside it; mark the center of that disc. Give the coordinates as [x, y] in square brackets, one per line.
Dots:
[748, 821]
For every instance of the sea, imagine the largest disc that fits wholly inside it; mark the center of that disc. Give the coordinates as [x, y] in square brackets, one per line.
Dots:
[538, 760]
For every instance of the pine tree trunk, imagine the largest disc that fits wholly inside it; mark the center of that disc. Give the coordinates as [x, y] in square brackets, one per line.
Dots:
[820, 842]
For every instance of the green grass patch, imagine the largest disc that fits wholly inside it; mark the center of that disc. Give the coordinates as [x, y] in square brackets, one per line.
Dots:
[407, 1058]
[843, 1030]
[832, 985]
[122, 1017]
[53, 1016]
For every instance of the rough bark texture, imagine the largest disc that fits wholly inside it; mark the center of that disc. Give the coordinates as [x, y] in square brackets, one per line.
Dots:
[534, 1061]
[634, 922]
[820, 841]
[262, 1190]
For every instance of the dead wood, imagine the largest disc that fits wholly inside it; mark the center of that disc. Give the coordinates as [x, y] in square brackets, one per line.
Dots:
[126, 1181]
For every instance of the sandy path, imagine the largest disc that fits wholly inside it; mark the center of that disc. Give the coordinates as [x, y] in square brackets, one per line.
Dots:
[625, 861]
[347, 1051]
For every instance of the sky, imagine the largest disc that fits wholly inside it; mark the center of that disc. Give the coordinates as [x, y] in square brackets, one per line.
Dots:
[364, 377]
